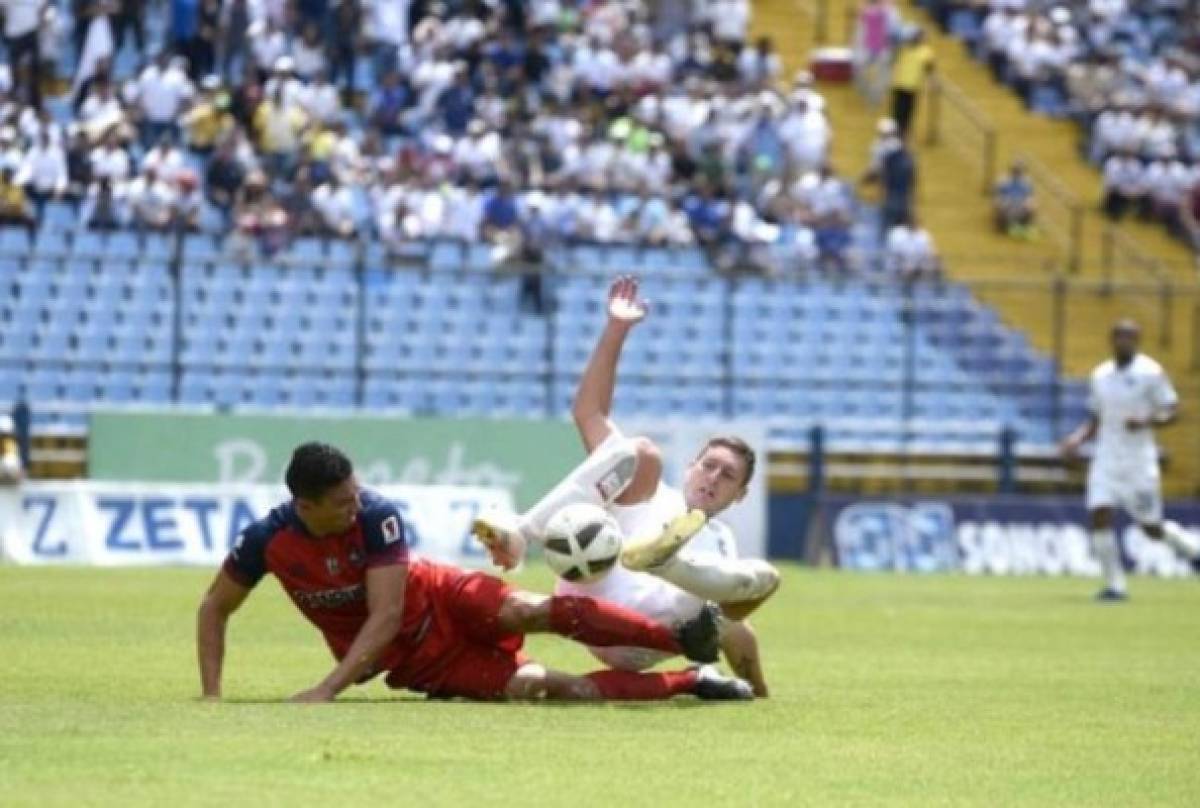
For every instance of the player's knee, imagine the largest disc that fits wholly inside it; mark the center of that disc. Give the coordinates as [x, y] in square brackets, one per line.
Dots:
[646, 475]
[583, 690]
[565, 687]
[768, 579]
[756, 580]
[524, 612]
[529, 682]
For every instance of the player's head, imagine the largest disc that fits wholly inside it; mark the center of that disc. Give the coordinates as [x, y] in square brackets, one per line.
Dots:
[1125, 338]
[718, 477]
[321, 480]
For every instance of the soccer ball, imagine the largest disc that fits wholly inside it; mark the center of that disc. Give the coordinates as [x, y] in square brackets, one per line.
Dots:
[582, 543]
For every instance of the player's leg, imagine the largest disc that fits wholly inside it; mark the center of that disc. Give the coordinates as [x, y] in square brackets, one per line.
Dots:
[1181, 541]
[595, 622]
[620, 470]
[1101, 503]
[1104, 544]
[741, 609]
[1146, 507]
[741, 583]
[488, 611]
[533, 681]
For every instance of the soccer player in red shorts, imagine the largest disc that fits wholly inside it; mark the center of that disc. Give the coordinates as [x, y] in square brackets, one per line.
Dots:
[340, 554]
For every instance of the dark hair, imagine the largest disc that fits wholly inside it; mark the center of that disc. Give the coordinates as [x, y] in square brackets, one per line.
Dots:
[740, 448]
[315, 468]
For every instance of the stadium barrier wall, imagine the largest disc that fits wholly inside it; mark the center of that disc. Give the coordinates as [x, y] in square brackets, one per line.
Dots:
[522, 457]
[988, 535]
[149, 524]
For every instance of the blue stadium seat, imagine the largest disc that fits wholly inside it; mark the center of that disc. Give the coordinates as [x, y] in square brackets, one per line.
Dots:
[198, 248]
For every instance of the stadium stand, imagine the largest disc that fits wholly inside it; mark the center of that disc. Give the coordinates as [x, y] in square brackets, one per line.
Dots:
[1126, 74]
[80, 332]
[354, 254]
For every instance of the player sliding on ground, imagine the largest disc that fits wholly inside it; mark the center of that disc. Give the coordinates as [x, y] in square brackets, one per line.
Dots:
[341, 556]
[1131, 396]
[677, 556]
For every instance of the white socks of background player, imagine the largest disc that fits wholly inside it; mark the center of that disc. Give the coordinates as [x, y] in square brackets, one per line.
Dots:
[723, 580]
[599, 479]
[1104, 542]
[1181, 541]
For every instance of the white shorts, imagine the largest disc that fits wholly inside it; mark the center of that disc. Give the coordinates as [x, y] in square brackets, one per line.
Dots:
[1136, 489]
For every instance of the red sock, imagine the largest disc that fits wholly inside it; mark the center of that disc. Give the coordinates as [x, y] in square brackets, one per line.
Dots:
[597, 622]
[630, 686]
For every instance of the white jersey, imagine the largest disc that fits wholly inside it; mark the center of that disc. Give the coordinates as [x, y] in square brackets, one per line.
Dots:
[649, 518]
[648, 594]
[1139, 390]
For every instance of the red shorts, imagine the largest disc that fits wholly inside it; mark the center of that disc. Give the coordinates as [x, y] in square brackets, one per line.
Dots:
[458, 648]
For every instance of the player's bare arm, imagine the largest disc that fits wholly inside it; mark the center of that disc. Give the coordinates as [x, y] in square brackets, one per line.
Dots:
[501, 534]
[222, 599]
[385, 609]
[593, 400]
[739, 644]
[1071, 444]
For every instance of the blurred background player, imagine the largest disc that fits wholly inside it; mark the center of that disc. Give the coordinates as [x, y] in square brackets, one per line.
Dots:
[658, 576]
[1131, 396]
[341, 555]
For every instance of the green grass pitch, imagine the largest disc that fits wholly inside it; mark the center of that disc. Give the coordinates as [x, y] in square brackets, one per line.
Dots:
[887, 690]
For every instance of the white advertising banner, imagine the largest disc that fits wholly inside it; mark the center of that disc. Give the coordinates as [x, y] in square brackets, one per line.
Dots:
[140, 524]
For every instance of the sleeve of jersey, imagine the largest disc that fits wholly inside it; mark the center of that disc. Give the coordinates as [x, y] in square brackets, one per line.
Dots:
[1093, 399]
[384, 536]
[247, 561]
[1165, 397]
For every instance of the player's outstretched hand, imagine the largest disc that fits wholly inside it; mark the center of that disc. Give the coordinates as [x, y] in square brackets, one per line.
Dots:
[315, 695]
[624, 305]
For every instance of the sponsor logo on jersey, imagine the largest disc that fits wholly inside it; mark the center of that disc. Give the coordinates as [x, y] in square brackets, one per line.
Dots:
[331, 598]
[391, 530]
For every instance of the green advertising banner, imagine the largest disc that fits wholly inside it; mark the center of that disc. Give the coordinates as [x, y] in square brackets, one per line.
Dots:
[524, 457]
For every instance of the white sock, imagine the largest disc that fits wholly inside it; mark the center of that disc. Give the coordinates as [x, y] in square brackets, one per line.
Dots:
[724, 580]
[1181, 541]
[599, 479]
[1104, 543]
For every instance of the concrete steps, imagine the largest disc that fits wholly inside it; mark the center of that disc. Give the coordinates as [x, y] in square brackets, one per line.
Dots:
[1015, 277]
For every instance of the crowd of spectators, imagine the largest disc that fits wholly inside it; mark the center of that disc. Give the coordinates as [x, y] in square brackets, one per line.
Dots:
[889, 52]
[1128, 73]
[525, 124]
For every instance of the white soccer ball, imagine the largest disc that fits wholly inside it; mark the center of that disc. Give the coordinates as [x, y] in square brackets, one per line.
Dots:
[582, 543]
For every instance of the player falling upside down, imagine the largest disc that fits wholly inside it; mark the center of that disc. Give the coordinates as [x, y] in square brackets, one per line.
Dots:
[677, 555]
[340, 554]
[1131, 396]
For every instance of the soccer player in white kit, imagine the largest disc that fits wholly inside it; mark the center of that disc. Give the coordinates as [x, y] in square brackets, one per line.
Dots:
[1131, 396]
[677, 558]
